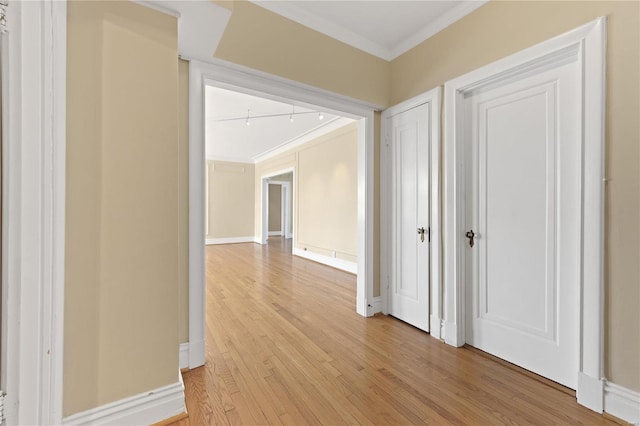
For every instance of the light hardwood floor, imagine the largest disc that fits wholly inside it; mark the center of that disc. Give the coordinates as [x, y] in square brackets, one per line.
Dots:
[285, 346]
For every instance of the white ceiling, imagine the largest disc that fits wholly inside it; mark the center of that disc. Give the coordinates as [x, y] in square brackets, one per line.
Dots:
[385, 29]
[229, 138]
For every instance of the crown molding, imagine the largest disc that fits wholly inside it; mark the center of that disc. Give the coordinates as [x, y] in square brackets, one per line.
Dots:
[431, 29]
[325, 27]
[349, 37]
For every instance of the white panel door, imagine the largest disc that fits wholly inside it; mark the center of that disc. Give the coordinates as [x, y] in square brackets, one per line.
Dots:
[409, 282]
[523, 206]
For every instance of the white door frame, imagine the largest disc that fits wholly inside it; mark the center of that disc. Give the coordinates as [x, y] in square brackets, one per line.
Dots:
[285, 207]
[226, 75]
[34, 152]
[264, 200]
[588, 42]
[386, 169]
[287, 210]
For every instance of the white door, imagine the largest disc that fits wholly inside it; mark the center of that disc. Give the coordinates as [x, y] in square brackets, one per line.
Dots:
[409, 139]
[523, 206]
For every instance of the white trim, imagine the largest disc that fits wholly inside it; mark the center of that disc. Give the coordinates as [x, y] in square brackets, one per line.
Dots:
[591, 40]
[145, 408]
[197, 176]
[433, 97]
[343, 265]
[229, 240]
[366, 178]
[275, 233]
[376, 304]
[227, 75]
[435, 326]
[306, 137]
[622, 403]
[34, 218]
[183, 355]
[286, 209]
[264, 211]
[353, 39]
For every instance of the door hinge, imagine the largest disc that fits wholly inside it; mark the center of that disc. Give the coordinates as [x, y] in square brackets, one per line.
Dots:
[2, 395]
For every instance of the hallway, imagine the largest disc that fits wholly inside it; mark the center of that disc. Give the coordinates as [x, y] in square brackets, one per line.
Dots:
[285, 345]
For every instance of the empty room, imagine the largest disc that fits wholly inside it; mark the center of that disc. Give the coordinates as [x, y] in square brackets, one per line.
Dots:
[320, 212]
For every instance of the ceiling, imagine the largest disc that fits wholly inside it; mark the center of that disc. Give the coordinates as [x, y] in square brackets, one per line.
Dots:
[229, 138]
[385, 29]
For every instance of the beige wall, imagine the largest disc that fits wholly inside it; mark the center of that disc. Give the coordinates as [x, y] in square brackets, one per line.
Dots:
[275, 207]
[501, 28]
[231, 195]
[262, 40]
[121, 286]
[183, 206]
[325, 192]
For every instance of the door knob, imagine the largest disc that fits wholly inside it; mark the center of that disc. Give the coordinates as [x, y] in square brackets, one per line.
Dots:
[421, 232]
[471, 236]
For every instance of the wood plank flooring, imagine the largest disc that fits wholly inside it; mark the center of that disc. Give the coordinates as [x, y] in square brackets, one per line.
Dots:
[285, 346]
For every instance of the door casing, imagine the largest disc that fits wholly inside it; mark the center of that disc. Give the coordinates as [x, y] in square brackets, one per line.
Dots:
[285, 207]
[590, 42]
[264, 202]
[234, 77]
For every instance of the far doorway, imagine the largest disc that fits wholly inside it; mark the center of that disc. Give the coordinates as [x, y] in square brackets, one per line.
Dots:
[279, 212]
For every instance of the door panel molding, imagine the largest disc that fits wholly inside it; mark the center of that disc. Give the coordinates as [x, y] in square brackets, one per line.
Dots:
[584, 45]
[433, 97]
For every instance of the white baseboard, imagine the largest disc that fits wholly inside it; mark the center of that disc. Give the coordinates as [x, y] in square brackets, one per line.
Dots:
[622, 403]
[341, 264]
[376, 303]
[183, 356]
[231, 240]
[275, 233]
[142, 409]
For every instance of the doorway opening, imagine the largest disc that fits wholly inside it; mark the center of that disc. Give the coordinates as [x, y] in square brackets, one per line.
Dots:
[278, 199]
[229, 77]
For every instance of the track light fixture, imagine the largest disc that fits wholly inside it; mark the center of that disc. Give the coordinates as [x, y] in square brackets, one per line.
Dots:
[247, 118]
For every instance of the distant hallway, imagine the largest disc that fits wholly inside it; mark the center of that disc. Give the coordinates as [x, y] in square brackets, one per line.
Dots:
[285, 346]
